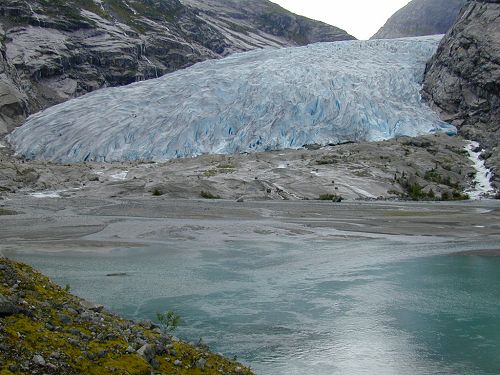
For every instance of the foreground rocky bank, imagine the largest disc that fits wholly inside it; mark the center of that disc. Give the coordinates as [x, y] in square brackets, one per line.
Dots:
[46, 330]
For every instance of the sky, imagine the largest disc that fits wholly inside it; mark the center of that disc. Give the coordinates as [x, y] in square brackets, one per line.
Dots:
[361, 18]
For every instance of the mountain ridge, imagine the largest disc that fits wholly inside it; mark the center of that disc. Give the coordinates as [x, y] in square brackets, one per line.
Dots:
[421, 17]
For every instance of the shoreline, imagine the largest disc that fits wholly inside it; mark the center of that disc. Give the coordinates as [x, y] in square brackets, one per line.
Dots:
[103, 225]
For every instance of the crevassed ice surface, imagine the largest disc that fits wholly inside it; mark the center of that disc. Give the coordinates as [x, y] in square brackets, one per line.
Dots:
[257, 101]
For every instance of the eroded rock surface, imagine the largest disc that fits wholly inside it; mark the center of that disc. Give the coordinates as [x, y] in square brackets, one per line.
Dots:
[435, 166]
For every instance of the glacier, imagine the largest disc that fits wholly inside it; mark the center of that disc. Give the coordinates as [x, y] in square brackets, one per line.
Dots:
[324, 93]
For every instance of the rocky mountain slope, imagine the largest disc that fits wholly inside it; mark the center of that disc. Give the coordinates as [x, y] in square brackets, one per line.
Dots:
[46, 330]
[245, 22]
[421, 17]
[55, 50]
[462, 80]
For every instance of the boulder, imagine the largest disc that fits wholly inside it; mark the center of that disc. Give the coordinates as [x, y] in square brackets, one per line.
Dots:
[147, 352]
[92, 306]
[38, 360]
[7, 308]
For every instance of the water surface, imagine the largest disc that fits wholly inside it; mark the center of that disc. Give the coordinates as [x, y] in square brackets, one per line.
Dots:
[351, 306]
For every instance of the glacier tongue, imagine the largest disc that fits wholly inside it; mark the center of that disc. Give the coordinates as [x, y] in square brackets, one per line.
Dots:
[256, 101]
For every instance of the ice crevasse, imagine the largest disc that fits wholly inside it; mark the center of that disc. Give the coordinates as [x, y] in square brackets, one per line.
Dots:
[325, 93]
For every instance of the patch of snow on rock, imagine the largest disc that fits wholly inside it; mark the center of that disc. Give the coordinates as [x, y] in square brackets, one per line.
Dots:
[46, 194]
[120, 176]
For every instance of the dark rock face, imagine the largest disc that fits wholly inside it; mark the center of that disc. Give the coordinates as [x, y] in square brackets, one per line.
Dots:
[421, 17]
[13, 101]
[462, 81]
[55, 50]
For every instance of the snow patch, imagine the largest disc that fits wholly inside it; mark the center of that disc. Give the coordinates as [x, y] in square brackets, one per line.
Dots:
[482, 181]
[46, 194]
[99, 2]
[130, 8]
[51, 193]
[120, 176]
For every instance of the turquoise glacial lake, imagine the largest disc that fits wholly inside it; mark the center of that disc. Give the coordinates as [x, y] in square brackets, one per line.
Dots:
[319, 308]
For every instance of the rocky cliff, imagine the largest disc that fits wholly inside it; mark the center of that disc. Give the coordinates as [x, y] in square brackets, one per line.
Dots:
[13, 101]
[462, 80]
[55, 50]
[421, 17]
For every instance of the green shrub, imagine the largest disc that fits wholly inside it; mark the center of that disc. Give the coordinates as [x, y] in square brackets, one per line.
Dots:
[415, 191]
[459, 196]
[327, 160]
[226, 166]
[433, 175]
[7, 212]
[157, 192]
[209, 195]
[169, 321]
[210, 173]
[330, 197]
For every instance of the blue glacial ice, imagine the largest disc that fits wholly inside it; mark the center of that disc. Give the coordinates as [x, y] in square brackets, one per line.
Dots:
[325, 93]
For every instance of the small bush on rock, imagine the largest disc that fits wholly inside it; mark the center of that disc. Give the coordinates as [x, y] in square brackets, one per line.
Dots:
[209, 195]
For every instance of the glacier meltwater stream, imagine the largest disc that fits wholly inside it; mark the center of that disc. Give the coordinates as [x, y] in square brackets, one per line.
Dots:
[257, 101]
[482, 181]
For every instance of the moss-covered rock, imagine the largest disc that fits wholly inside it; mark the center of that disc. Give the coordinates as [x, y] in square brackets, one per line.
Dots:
[50, 331]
